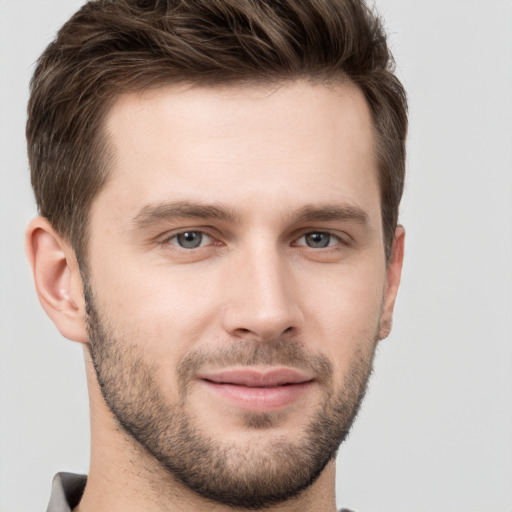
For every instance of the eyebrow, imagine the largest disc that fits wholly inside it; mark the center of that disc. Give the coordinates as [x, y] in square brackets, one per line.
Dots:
[330, 212]
[154, 213]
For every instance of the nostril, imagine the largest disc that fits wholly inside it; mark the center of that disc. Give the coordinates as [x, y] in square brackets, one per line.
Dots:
[261, 334]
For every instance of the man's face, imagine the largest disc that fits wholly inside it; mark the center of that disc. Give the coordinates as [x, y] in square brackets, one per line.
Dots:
[236, 281]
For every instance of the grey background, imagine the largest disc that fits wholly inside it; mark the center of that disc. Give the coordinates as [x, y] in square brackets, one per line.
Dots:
[435, 433]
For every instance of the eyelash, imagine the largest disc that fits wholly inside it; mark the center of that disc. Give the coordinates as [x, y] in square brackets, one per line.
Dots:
[338, 240]
[332, 236]
[189, 231]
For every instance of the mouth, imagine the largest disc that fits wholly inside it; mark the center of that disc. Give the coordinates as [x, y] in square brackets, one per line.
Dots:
[261, 390]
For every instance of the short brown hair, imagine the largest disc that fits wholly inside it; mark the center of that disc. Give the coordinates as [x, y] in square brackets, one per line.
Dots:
[114, 46]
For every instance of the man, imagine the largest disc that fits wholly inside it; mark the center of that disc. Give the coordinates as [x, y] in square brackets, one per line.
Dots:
[218, 183]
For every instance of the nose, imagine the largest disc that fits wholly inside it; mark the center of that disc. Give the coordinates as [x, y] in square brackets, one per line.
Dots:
[262, 303]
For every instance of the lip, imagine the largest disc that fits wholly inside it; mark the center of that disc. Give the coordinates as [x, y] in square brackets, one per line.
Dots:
[262, 390]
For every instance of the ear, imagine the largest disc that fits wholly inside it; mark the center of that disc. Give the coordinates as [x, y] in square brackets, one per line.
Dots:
[57, 279]
[393, 274]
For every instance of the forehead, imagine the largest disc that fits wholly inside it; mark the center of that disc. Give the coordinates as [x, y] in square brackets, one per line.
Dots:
[287, 145]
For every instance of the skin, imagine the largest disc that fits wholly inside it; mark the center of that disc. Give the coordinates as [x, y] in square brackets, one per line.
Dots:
[269, 155]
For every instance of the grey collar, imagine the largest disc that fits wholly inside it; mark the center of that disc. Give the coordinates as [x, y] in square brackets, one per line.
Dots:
[67, 489]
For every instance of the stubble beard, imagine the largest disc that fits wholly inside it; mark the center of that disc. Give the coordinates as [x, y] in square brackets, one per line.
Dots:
[252, 476]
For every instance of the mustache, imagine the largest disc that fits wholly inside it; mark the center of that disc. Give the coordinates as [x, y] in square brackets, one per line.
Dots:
[280, 352]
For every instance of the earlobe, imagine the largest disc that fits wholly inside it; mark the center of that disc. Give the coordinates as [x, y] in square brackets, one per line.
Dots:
[393, 275]
[57, 279]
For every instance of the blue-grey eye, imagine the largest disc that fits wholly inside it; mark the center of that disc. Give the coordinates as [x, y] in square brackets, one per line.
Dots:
[318, 240]
[190, 239]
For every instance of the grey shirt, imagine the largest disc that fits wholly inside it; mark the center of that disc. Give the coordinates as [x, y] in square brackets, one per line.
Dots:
[67, 489]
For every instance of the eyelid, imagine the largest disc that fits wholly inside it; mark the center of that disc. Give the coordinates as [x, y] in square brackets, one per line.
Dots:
[342, 238]
[168, 238]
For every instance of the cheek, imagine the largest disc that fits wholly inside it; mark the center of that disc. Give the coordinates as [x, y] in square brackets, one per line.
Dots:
[170, 309]
[343, 313]
[166, 309]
